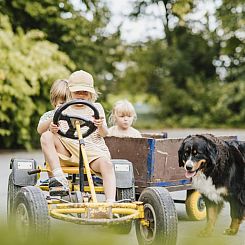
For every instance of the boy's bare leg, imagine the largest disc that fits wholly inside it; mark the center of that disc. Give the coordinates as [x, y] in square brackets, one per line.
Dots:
[105, 167]
[51, 145]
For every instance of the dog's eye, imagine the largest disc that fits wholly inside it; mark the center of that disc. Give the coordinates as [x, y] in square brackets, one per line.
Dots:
[186, 154]
[194, 152]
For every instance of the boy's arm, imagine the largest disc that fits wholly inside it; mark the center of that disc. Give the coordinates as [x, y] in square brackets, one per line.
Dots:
[45, 121]
[101, 123]
[101, 127]
[43, 126]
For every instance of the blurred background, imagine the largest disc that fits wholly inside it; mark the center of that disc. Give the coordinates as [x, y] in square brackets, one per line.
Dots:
[180, 62]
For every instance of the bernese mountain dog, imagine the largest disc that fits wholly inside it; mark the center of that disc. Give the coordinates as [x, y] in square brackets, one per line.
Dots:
[217, 170]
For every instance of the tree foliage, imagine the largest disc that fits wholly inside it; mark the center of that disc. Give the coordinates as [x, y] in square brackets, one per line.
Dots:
[231, 33]
[176, 74]
[29, 64]
[189, 71]
[78, 29]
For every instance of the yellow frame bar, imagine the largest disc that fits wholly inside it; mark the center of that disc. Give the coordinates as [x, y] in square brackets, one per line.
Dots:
[128, 210]
[86, 164]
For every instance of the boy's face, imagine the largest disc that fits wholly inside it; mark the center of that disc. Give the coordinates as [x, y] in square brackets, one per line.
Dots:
[83, 95]
[124, 121]
[59, 103]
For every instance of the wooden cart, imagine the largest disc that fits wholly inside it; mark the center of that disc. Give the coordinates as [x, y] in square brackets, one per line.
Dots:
[155, 163]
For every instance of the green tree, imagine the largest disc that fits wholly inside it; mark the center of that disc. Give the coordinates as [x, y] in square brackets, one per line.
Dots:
[78, 29]
[230, 32]
[171, 11]
[166, 71]
[189, 69]
[29, 64]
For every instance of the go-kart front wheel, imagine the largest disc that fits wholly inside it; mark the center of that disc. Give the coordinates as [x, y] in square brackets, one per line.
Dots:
[161, 218]
[30, 213]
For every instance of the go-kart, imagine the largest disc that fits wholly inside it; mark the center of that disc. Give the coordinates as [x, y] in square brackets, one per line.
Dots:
[30, 206]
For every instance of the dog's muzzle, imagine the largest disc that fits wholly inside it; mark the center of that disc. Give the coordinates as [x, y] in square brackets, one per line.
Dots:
[193, 167]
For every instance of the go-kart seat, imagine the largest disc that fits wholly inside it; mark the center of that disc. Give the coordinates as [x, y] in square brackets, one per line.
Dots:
[70, 170]
[75, 170]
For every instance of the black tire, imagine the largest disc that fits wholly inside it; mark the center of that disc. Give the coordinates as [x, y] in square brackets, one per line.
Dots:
[30, 211]
[12, 193]
[160, 212]
[195, 206]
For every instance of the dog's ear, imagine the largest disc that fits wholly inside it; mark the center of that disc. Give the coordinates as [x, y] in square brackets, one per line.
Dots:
[181, 151]
[180, 154]
[211, 152]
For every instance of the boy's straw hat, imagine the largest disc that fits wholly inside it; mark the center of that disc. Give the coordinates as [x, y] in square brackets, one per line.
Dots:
[81, 81]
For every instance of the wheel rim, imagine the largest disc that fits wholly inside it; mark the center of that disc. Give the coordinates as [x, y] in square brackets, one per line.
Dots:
[201, 204]
[149, 232]
[22, 220]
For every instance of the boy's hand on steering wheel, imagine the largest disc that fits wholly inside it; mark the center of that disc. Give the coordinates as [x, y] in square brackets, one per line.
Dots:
[98, 122]
[53, 127]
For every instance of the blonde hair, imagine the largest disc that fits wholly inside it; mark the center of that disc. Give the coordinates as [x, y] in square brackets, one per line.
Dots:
[94, 96]
[123, 107]
[59, 91]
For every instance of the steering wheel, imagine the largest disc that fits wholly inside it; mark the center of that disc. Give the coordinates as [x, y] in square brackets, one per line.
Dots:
[84, 122]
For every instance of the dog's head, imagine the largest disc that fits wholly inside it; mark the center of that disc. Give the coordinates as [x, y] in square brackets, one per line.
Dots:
[195, 153]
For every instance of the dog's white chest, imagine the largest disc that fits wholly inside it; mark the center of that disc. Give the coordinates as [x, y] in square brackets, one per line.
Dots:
[205, 186]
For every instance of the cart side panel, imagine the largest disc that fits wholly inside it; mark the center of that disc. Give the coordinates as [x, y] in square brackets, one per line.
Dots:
[136, 150]
[166, 167]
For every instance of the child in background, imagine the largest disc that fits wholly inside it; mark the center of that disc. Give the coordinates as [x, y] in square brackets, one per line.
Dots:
[59, 94]
[61, 151]
[122, 117]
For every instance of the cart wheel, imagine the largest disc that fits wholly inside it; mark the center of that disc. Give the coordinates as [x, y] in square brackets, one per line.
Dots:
[12, 192]
[160, 212]
[195, 206]
[30, 211]
[124, 193]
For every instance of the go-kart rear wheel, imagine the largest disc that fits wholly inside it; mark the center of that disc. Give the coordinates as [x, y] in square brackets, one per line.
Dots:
[30, 211]
[161, 215]
[195, 206]
[12, 193]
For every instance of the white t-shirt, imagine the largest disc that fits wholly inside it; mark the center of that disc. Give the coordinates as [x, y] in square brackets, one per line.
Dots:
[130, 132]
[46, 116]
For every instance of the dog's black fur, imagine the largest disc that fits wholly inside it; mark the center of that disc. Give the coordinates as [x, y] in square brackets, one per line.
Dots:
[217, 170]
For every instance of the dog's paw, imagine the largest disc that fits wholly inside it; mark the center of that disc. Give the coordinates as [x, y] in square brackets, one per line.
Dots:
[230, 232]
[205, 233]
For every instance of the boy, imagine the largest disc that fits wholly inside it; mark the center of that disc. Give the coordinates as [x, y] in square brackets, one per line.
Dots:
[59, 150]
